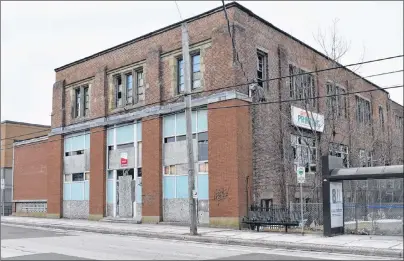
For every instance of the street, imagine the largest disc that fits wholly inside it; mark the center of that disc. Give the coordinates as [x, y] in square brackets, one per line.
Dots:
[23, 243]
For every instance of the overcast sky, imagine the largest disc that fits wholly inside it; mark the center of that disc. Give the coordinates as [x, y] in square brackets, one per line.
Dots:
[37, 37]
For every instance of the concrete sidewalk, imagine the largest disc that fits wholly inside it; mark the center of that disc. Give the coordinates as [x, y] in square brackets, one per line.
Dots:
[387, 246]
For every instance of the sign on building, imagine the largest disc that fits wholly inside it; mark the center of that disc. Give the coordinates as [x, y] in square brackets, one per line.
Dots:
[124, 159]
[336, 205]
[307, 119]
[301, 175]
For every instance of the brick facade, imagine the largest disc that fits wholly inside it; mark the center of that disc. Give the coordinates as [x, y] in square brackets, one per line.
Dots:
[55, 176]
[152, 170]
[97, 172]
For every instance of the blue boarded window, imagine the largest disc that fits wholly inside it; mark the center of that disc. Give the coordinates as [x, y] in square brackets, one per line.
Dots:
[76, 186]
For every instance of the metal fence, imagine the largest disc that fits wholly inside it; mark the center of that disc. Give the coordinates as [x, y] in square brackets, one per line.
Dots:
[362, 219]
[374, 219]
[7, 208]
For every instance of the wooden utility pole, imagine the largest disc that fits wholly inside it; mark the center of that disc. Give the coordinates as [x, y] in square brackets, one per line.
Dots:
[188, 118]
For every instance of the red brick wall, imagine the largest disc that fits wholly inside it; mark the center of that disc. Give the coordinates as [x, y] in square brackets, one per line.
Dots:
[229, 158]
[97, 171]
[152, 167]
[30, 171]
[55, 175]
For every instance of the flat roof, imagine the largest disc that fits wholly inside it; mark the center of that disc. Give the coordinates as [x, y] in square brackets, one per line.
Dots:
[25, 123]
[210, 12]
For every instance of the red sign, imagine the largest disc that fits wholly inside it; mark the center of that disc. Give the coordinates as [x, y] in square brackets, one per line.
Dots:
[124, 159]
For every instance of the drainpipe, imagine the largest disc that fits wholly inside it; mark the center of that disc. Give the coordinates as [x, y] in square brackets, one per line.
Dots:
[12, 182]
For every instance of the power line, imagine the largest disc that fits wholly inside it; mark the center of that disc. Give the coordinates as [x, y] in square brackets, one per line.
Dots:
[178, 8]
[223, 107]
[178, 97]
[232, 40]
[316, 71]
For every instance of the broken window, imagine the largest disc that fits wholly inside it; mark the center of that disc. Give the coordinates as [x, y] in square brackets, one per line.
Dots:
[304, 152]
[341, 151]
[337, 102]
[365, 158]
[86, 101]
[301, 85]
[77, 177]
[170, 170]
[139, 85]
[363, 111]
[399, 122]
[381, 117]
[202, 146]
[119, 91]
[262, 68]
[78, 103]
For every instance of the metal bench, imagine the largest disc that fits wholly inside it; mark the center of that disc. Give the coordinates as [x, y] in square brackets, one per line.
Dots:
[274, 216]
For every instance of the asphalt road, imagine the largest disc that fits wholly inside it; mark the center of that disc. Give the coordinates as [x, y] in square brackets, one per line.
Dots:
[22, 243]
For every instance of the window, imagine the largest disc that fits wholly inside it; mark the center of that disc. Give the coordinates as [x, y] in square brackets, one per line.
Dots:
[119, 91]
[304, 152]
[261, 68]
[195, 73]
[77, 177]
[78, 103]
[86, 101]
[202, 146]
[336, 104]
[365, 158]
[139, 85]
[381, 117]
[341, 151]
[76, 144]
[399, 122]
[203, 167]
[129, 88]
[170, 170]
[363, 111]
[301, 86]
[76, 186]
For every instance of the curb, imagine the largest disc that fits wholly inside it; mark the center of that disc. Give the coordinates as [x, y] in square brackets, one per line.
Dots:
[227, 241]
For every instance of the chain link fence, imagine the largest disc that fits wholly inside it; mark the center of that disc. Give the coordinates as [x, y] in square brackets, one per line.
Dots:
[7, 208]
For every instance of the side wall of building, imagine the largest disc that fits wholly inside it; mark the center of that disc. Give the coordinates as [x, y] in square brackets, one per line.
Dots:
[30, 178]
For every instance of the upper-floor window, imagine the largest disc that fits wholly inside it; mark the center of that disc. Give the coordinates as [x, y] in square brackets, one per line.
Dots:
[381, 117]
[118, 91]
[262, 68]
[81, 102]
[195, 73]
[341, 151]
[399, 122]
[128, 88]
[139, 85]
[363, 110]
[337, 100]
[301, 85]
[365, 158]
[78, 102]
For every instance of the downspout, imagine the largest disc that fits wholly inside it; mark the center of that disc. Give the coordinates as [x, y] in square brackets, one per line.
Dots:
[12, 181]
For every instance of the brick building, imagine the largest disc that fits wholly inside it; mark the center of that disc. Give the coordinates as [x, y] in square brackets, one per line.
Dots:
[117, 145]
[12, 131]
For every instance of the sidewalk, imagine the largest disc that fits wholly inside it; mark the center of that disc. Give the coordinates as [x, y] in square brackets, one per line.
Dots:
[387, 246]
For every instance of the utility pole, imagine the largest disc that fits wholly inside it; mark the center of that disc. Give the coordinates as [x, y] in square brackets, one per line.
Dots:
[188, 119]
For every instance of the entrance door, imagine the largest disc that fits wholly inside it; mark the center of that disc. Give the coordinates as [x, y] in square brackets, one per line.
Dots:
[124, 204]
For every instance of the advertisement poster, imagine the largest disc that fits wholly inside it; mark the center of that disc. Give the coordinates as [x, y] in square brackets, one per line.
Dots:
[124, 159]
[336, 205]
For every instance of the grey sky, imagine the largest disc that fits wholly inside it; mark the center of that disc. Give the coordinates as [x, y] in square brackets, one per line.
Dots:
[37, 37]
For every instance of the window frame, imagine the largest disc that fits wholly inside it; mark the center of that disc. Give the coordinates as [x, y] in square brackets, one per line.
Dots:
[338, 101]
[134, 99]
[296, 84]
[264, 70]
[180, 60]
[364, 113]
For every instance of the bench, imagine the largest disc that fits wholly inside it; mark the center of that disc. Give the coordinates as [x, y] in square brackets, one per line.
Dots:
[270, 217]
